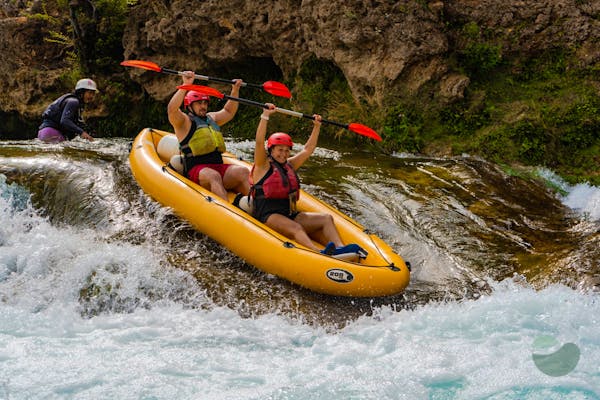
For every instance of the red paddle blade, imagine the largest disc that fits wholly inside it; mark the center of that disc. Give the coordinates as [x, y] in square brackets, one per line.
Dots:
[364, 130]
[203, 89]
[150, 66]
[277, 89]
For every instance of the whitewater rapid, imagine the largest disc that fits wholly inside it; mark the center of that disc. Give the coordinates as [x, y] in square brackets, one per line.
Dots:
[96, 310]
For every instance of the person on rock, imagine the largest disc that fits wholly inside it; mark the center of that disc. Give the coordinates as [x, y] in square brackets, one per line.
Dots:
[201, 141]
[63, 120]
[276, 188]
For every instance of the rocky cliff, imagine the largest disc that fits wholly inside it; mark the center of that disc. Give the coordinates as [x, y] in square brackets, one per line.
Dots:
[384, 49]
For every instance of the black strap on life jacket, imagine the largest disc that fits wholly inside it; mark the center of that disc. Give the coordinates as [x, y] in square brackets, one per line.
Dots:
[190, 160]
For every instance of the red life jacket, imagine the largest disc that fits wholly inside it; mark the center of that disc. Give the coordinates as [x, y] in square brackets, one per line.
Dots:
[279, 182]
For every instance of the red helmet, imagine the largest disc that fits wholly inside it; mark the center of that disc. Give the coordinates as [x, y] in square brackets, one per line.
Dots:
[193, 96]
[279, 138]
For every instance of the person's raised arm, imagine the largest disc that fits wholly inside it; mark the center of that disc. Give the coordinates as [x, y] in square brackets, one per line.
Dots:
[230, 108]
[261, 161]
[310, 145]
[176, 117]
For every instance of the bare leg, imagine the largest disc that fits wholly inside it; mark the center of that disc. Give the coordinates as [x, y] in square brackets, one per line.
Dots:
[211, 180]
[320, 227]
[290, 229]
[236, 178]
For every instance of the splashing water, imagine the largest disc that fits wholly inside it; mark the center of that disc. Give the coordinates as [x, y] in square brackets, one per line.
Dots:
[586, 200]
[583, 198]
[101, 307]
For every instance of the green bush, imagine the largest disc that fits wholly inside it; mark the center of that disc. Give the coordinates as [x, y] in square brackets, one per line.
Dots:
[480, 58]
[403, 130]
[463, 119]
[531, 140]
[496, 146]
[319, 84]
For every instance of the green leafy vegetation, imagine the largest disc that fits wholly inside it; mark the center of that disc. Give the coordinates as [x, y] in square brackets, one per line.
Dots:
[480, 54]
[481, 58]
[536, 112]
[319, 87]
[549, 116]
[109, 39]
[403, 129]
[94, 32]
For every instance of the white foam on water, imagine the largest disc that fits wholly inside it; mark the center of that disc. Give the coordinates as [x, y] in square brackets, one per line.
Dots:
[583, 197]
[144, 330]
[475, 349]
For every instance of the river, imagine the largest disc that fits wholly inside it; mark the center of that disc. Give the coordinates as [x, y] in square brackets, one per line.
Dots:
[105, 294]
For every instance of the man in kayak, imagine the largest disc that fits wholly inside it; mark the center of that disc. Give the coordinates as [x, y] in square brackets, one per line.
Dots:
[63, 118]
[201, 141]
[276, 188]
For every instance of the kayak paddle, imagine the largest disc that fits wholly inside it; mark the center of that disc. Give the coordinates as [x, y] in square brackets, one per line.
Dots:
[271, 87]
[354, 127]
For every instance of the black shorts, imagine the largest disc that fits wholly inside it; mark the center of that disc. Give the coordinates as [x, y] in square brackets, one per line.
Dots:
[264, 208]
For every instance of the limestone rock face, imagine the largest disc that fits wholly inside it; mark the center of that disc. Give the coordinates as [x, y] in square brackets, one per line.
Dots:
[529, 26]
[385, 48]
[382, 47]
[374, 43]
[23, 50]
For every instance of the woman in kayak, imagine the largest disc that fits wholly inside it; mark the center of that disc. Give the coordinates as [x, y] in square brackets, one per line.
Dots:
[276, 188]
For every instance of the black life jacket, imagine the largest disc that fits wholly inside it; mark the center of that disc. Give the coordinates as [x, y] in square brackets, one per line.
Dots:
[52, 115]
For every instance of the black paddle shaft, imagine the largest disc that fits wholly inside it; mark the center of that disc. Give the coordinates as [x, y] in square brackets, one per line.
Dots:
[284, 111]
[210, 78]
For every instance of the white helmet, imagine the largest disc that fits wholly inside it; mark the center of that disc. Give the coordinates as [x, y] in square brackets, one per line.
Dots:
[86, 84]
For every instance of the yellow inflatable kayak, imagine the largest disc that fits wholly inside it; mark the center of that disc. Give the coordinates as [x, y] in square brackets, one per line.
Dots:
[381, 273]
